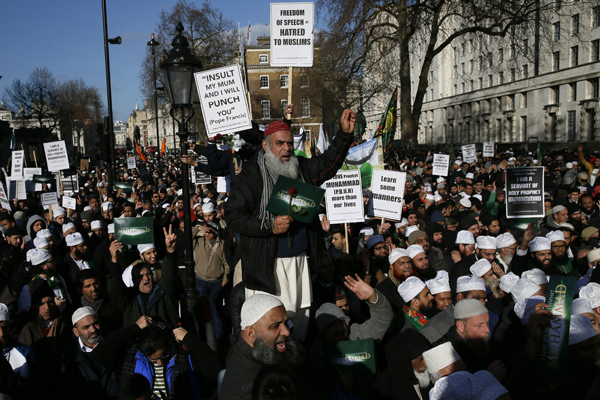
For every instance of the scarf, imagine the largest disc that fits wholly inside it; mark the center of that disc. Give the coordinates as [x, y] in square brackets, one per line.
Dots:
[96, 305]
[417, 319]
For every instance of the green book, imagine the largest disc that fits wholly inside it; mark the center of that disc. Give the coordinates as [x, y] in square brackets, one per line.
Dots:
[305, 199]
[131, 231]
[354, 355]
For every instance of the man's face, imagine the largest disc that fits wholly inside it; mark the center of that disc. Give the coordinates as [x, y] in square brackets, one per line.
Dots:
[15, 240]
[477, 295]
[474, 229]
[594, 320]
[544, 257]
[272, 329]
[129, 212]
[574, 196]
[4, 332]
[60, 219]
[467, 250]
[146, 282]
[155, 199]
[412, 219]
[423, 241]
[479, 186]
[500, 195]
[488, 254]
[338, 241]
[494, 228]
[443, 300]
[547, 206]
[94, 204]
[47, 308]
[149, 256]
[454, 190]
[343, 305]
[88, 329]
[80, 250]
[421, 263]
[6, 224]
[568, 237]
[108, 214]
[402, 268]
[37, 226]
[477, 327]
[209, 217]
[147, 206]
[380, 250]
[561, 216]
[586, 354]
[91, 289]
[488, 275]
[180, 204]
[559, 248]
[159, 357]
[425, 301]
[438, 237]
[85, 223]
[211, 235]
[576, 215]
[97, 232]
[469, 189]
[281, 144]
[587, 204]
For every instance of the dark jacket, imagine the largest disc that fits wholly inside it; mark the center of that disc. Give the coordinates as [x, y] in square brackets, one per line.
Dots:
[259, 245]
[242, 368]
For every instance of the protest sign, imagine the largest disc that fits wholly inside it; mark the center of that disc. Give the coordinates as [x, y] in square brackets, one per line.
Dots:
[70, 182]
[130, 162]
[469, 153]
[224, 103]
[388, 193]
[19, 187]
[69, 202]
[200, 177]
[353, 355]
[488, 149]
[84, 164]
[344, 197]
[16, 167]
[223, 184]
[292, 36]
[125, 187]
[441, 163]
[49, 199]
[144, 174]
[366, 157]
[4, 199]
[28, 174]
[525, 192]
[297, 199]
[56, 156]
[555, 342]
[130, 231]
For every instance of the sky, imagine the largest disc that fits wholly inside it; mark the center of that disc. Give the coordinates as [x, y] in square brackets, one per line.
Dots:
[67, 37]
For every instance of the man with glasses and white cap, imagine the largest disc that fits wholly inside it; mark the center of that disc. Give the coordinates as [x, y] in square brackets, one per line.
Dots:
[560, 256]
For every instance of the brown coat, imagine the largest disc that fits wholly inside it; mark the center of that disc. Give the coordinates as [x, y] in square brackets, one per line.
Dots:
[210, 262]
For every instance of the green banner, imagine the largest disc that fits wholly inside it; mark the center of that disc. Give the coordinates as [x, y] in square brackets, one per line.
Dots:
[134, 230]
[125, 187]
[43, 179]
[555, 343]
[297, 199]
[354, 355]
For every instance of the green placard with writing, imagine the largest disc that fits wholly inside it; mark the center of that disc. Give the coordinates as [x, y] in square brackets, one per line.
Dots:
[304, 198]
[125, 187]
[354, 355]
[43, 179]
[134, 230]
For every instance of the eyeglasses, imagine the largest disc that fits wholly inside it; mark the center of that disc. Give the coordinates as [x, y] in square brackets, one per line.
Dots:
[558, 246]
[155, 360]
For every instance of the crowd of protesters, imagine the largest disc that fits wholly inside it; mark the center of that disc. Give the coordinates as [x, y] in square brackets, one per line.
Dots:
[453, 295]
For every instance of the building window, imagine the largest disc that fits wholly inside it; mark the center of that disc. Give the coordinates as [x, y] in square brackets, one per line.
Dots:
[523, 128]
[472, 85]
[573, 91]
[512, 51]
[525, 47]
[490, 81]
[490, 60]
[524, 100]
[501, 54]
[480, 63]
[304, 80]
[525, 71]
[557, 31]
[284, 104]
[480, 83]
[462, 87]
[594, 88]
[462, 68]
[265, 108]
[284, 79]
[575, 24]
[571, 122]
[263, 58]
[574, 56]
[557, 4]
[501, 78]
[472, 65]
[596, 17]
[595, 50]
[305, 108]
[513, 75]
[556, 61]
[264, 81]
[555, 94]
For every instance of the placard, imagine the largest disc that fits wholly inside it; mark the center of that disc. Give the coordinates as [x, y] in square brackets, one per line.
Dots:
[354, 355]
[130, 162]
[4, 199]
[488, 149]
[343, 194]
[223, 184]
[20, 186]
[525, 192]
[16, 167]
[294, 198]
[200, 177]
[56, 155]
[223, 99]
[144, 174]
[130, 231]
[441, 163]
[388, 193]
[49, 199]
[292, 34]
[69, 202]
[84, 164]
[28, 174]
[124, 186]
[555, 342]
[469, 153]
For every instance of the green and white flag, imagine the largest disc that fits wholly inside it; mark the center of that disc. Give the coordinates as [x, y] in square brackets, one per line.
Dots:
[299, 144]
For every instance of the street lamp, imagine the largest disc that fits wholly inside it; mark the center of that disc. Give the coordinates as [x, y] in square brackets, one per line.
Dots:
[179, 66]
[153, 43]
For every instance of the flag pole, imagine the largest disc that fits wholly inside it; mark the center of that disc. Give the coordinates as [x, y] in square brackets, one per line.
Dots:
[290, 72]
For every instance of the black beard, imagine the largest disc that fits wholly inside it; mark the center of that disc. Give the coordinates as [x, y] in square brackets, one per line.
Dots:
[430, 312]
[480, 347]
[80, 255]
[562, 260]
[430, 273]
[538, 264]
[266, 355]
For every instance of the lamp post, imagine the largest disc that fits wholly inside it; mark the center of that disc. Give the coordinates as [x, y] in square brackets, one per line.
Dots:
[153, 43]
[109, 128]
[179, 66]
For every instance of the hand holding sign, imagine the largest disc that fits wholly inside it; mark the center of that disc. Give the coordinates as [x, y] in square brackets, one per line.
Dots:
[281, 224]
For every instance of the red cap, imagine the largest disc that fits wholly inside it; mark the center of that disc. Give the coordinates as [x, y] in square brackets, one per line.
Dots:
[276, 127]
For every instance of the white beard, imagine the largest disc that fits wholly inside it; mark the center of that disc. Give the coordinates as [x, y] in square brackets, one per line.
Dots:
[423, 378]
[507, 258]
[288, 169]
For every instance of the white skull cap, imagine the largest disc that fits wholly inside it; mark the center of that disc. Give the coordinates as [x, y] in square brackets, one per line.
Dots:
[208, 208]
[536, 276]
[396, 254]
[58, 211]
[255, 307]
[4, 316]
[524, 289]
[410, 229]
[107, 206]
[468, 283]
[74, 239]
[111, 228]
[486, 242]
[555, 236]
[44, 233]
[540, 243]
[440, 357]
[367, 231]
[465, 237]
[67, 226]
[480, 267]
[591, 292]
[504, 240]
[439, 284]
[465, 202]
[410, 288]
[38, 256]
[80, 313]
[142, 248]
[414, 249]
[580, 329]
[467, 308]
[481, 385]
[581, 306]
[40, 241]
[96, 224]
[508, 282]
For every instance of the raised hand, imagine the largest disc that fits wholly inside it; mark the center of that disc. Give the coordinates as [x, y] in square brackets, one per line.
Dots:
[347, 121]
[114, 249]
[362, 290]
[170, 239]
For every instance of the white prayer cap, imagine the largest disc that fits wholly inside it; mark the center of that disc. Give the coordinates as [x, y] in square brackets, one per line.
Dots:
[439, 284]
[107, 206]
[467, 308]
[524, 289]
[437, 197]
[508, 282]
[4, 316]
[468, 283]
[591, 291]
[555, 236]
[87, 208]
[486, 242]
[463, 385]
[540, 243]
[457, 162]
[255, 307]
[396, 254]
[593, 255]
[142, 248]
[38, 256]
[524, 309]
[465, 202]
[580, 329]
[414, 249]
[58, 211]
[367, 231]
[504, 240]
[536, 276]
[440, 179]
[208, 208]
[465, 237]
[81, 313]
[581, 306]
[327, 313]
[403, 222]
[410, 229]
[410, 288]
[111, 228]
[67, 226]
[96, 224]
[430, 197]
[44, 233]
[40, 242]
[569, 165]
[205, 200]
[74, 239]
[195, 205]
[470, 175]
[557, 209]
[478, 196]
[440, 357]
[480, 268]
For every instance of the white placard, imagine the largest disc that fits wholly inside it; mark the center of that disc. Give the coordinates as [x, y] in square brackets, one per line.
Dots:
[441, 163]
[56, 156]
[343, 195]
[488, 149]
[69, 202]
[223, 184]
[388, 193]
[223, 99]
[469, 153]
[292, 34]
[28, 174]
[49, 199]
[16, 167]
[19, 186]
[131, 163]
[4, 199]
